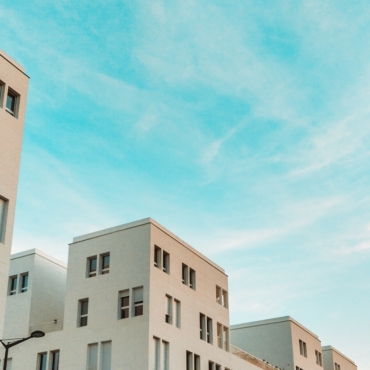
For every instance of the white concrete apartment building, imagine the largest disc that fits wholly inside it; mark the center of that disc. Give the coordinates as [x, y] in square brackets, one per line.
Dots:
[136, 297]
[13, 97]
[287, 344]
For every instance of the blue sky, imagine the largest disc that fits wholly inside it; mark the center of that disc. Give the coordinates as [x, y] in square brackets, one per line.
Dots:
[242, 126]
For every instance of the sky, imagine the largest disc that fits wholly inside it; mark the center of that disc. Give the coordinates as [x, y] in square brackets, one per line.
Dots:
[242, 126]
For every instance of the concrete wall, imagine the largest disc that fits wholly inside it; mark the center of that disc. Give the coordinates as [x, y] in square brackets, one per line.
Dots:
[331, 356]
[11, 76]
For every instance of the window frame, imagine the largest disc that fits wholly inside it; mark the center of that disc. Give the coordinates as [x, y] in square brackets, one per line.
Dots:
[14, 110]
[82, 316]
[13, 290]
[192, 279]
[3, 218]
[137, 304]
[2, 91]
[54, 363]
[123, 308]
[24, 288]
[102, 269]
[169, 310]
[41, 365]
[89, 272]
[185, 274]
[166, 262]
[157, 257]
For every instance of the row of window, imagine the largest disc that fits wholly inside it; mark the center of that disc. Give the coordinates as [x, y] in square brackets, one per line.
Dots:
[13, 287]
[99, 353]
[318, 358]
[3, 213]
[92, 265]
[161, 259]
[206, 332]
[12, 99]
[125, 310]
[42, 360]
[193, 363]
[303, 352]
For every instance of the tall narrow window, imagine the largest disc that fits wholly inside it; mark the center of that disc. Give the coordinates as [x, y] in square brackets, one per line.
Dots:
[302, 348]
[91, 266]
[124, 304]
[202, 326]
[189, 361]
[218, 294]
[196, 362]
[218, 367]
[138, 301]
[185, 274]
[192, 279]
[11, 103]
[42, 361]
[211, 365]
[219, 335]
[105, 260]
[2, 89]
[224, 298]
[3, 211]
[168, 317]
[178, 313]
[209, 330]
[84, 309]
[157, 353]
[166, 262]
[13, 285]
[166, 355]
[337, 366]
[225, 338]
[106, 354]
[55, 360]
[157, 257]
[24, 283]
[92, 356]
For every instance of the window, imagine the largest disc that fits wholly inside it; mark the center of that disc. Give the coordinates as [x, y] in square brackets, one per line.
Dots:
[166, 355]
[138, 301]
[223, 341]
[157, 257]
[185, 274]
[221, 296]
[124, 304]
[178, 313]
[42, 357]
[168, 317]
[92, 356]
[211, 365]
[318, 358]
[24, 282]
[83, 311]
[226, 338]
[337, 366]
[11, 102]
[189, 360]
[192, 279]
[106, 354]
[209, 330]
[157, 353]
[166, 262]
[3, 212]
[202, 326]
[302, 348]
[91, 266]
[196, 362]
[218, 367]
[13, 280]
[298, 368]
[2, 88]
[105, 259]
[55, 360]
[219, 335]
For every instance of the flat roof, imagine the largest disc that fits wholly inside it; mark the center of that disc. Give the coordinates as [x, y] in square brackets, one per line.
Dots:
[145, 221]
[331, 348]
[12, 61]
[272, 321]
[39, 253]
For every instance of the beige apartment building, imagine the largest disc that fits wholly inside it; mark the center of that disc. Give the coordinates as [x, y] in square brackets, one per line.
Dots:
[13, 97]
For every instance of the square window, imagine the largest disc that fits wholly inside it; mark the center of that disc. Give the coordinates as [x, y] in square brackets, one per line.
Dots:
[91, 266]
[105, 260]
[83, 312]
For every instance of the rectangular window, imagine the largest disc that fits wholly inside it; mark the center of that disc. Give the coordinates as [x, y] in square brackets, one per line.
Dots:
[13, 282]
[218, 294]
[138, 301]
[24, 282]
[168, 317]
[157, 354]
[218, 367]
[166, 262]
[192, 279]
[318, 358]
[178, 313]
[42, 357]
[211, 365]
[185, 274]
[124, 304]
[105, 259]
[55, 360]
[224, 300]
[106, 354]
[196, 362]
[2, 89]
[91, 266]
[337, 366]
[166, 355]
[202, 326]
[302, 348]
[92, 356]
[189, 361]
[219, 335]
[157, 257]
[12, 102]
[83, 312]
[225, 338]
[209, 331]
[3, 213]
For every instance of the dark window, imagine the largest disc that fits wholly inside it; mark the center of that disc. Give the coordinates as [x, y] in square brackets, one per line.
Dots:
[42, 361]
[138, 302]
[209, 330]
[3, 211]
[92, 266]
[24, 285]
[192, 279]
[184, 274]
[10, 103]
[84, 308]
[125, 307]
[105, 264]
[13, 285]
[166, 262]
[157, 257]
[55, 361]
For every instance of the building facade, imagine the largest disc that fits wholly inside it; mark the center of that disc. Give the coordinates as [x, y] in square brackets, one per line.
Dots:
[136, 297]
[13, 97]
[335, 360]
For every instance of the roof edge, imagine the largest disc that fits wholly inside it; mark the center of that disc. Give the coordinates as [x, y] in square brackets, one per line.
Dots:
[329, 347]
[40, 253]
